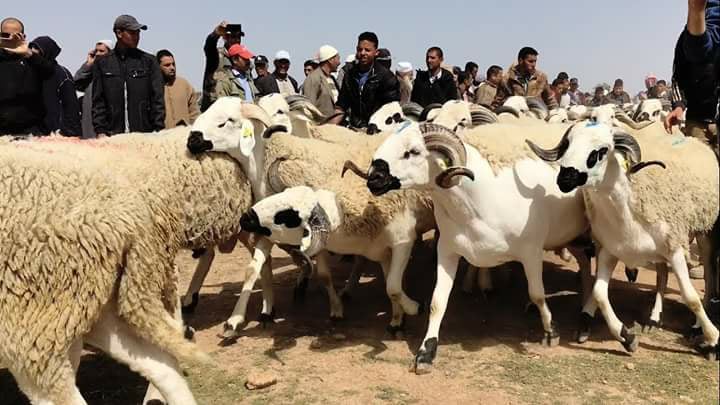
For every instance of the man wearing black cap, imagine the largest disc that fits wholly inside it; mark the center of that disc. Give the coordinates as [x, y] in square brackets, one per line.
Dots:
[217, 59]
[128, 94]
[261, 66]
[618, 96]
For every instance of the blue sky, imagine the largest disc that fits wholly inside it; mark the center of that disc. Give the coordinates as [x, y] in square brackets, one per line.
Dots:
[595, 41]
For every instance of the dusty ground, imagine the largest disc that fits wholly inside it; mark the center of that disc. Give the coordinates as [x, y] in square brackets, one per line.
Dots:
[488, 349]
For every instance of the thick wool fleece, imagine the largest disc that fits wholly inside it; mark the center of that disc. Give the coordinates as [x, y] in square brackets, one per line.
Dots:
[502, 145]
[685, 195]
[317, 163]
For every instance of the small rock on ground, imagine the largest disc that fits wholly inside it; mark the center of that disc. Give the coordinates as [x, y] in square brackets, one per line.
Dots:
[260, 380]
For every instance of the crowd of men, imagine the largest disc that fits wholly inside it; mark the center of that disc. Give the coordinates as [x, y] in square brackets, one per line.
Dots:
[125, 89]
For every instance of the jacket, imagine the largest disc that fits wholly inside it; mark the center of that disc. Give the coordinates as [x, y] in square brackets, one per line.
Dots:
[360, 103]
[21, 99]
[268, 84]
[83, 83]
[62, 108]
[516, 85]
[216, 60]
[128, 80]
[181, 103]
[320, 91]
[485, 94]
[227, 86]
[621, 99]
[440, 91]
[693, 85]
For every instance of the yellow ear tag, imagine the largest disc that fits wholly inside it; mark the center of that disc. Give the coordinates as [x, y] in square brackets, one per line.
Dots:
[247, 138]
[442, 164]
[626, 164]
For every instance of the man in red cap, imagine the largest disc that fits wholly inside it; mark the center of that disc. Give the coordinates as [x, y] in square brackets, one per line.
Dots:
[236, 80]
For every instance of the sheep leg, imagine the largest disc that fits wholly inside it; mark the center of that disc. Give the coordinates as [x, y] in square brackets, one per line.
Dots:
[58, 385]
[267, 315]
[660, 286]
[190, 299]
[471, 275]
[586, 284]
[115, 338]
[605, 266]
[710, 265]
[354, 278]
[532, 265]
[398, 264]
[260, 257]
[325, 276]
[397, 318]
[692, 300]
[446, 270]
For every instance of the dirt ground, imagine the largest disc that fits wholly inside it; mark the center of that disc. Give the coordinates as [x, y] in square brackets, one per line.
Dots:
[489, 348]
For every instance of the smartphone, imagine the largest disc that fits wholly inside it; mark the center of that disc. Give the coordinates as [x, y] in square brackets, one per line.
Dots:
[234, 30]
[6, 40]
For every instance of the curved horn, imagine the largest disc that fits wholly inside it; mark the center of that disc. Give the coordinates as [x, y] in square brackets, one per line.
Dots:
[350, 165]
[319, 225]
[637, 167]
[623, 117]
[481, 115]
[552, 155]
[303, 105]
[254, 111]
[427, 109]
[507, 109]
[413, 110]
[269, 131]
[628, 146]
[273, 176]
[445, 142]
[538, 107]
[445, 178]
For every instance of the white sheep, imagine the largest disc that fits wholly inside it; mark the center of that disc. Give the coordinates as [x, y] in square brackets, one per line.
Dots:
[506, 208]
[640, 217]
[88, 258]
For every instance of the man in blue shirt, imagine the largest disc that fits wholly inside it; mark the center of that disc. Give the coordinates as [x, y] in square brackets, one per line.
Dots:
[236, 79]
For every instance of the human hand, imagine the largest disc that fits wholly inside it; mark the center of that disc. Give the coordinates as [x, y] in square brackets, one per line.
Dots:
[90, 57]
[673, 119]
[220, 29]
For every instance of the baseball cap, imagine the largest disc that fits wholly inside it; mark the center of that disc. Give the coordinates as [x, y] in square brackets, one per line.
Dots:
[326, 52]
[261, 60]
[241, 51]
[282, 54]
[129, 23]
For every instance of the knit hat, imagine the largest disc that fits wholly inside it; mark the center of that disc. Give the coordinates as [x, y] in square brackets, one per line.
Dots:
[326, 52]
[404, 67]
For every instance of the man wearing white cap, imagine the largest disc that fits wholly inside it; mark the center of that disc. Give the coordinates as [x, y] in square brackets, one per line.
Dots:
[320, 86]
[278, 81]
[404, 75]
[83, 79]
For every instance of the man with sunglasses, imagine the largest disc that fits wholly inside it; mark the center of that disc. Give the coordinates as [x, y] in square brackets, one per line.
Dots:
[128, 87]
[22, 72]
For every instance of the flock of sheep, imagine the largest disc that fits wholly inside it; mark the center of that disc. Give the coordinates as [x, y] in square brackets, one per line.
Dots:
[91, 228]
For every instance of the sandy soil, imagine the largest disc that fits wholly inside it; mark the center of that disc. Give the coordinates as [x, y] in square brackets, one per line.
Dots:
[488, 353]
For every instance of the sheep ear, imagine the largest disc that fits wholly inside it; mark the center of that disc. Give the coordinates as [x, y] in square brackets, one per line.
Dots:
[247, 138]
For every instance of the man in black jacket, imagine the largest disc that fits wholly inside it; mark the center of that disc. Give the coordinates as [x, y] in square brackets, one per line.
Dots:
[21, 75]
[436, 85]
[128, 93]
[279, 81]
[367, 86]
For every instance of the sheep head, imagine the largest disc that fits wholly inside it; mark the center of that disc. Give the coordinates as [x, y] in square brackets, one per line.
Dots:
[298, 216]
[387, 118]
[586, 149]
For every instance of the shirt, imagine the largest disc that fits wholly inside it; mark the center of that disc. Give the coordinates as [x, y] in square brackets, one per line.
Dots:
[362, 79]
[243, 82]
[285, 87]
[436, 76]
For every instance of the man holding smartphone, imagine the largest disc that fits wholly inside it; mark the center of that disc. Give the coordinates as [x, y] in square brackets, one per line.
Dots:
[217, 59]
[22, 72]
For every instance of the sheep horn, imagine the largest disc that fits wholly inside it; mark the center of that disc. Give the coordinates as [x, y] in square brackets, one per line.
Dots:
[303, 105]
[269, 131]
[637, 167]
[445, 142]
[412, 109]
[427, 109]
[273, 176]
[254, 111]
[319, 229]
[507, 109]
[481, 115]
[445, 178]
[350, 165]
[628, 146]
[625, 119]
[552, 155]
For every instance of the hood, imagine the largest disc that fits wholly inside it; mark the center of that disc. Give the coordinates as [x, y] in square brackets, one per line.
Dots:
[49, 47]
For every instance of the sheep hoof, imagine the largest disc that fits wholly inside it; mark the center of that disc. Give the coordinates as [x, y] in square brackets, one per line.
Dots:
[711, 353]
[425, 356]
[197, 253]
[397, 331]
[229, 332]
[266, 319]
[154, 402]
[551, 338]
[694, 333]
[652, 324]
[631, 274]
[189, 333]
[190, 308]
[300, 291]
[584, 330]
[631, 343]
[422, 368]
